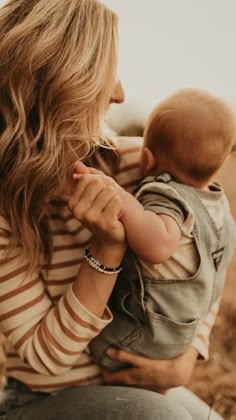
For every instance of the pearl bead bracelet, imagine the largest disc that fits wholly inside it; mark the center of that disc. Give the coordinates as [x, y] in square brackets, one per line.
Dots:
[98, 266]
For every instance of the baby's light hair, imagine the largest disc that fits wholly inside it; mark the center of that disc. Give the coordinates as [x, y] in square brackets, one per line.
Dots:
[190, 134]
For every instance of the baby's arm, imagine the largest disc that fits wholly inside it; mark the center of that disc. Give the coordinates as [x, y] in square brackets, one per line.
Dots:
[152, 237]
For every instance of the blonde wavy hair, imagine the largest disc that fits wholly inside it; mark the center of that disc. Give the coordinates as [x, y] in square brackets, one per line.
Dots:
[58, 62]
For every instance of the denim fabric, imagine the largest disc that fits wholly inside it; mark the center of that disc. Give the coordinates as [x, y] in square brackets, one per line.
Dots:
[87, 403]
[159, 318]
[15, 396]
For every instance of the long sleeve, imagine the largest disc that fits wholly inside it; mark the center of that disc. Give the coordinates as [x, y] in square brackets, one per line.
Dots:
[49, 334]
[201, 339]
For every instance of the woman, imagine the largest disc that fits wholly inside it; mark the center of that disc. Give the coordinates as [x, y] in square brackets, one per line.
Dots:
[58, 75]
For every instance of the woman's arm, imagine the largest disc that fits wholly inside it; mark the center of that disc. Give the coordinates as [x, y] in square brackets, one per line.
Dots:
[50, 337]
[98, 207]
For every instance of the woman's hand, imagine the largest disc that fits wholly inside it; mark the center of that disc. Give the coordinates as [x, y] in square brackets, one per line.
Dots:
[96, 203]
[82, 169]
[156, 374]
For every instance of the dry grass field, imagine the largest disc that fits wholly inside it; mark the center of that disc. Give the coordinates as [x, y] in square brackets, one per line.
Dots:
[215, 381]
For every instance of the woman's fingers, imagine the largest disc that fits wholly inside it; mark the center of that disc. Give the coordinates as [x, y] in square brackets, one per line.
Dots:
[102, 218]
[132, 376]
[98, 175]
[94, 210]
[135, 377]
[114, 208]
[121, 377]
[82, 169]
[95, 202]
[85, 192]
[161, 373]
[98, 207]
[126, 357]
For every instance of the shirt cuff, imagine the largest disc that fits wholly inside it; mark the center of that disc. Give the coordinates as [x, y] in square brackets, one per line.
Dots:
[85, 314]
[202, 346]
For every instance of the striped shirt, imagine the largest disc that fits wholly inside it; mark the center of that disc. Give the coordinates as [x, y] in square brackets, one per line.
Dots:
[47, 329]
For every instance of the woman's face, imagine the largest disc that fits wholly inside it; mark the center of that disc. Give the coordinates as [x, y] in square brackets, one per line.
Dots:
[118, 94]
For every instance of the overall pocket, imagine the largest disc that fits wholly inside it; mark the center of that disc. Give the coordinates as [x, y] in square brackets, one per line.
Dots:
[161, 338]
[169, 336]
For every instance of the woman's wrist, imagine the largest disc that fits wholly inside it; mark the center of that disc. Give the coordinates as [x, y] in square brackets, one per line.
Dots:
[93, 288]
[109, 255]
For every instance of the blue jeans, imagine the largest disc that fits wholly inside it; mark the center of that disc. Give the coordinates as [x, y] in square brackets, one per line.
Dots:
[194, 405]
[87, 403]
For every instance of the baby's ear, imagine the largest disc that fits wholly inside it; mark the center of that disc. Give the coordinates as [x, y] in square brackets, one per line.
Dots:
[148, 159]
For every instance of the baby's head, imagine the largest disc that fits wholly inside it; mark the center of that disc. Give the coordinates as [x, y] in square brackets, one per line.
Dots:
[188, 135]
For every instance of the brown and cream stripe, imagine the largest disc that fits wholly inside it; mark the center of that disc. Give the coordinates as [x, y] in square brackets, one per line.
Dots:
[47, 328]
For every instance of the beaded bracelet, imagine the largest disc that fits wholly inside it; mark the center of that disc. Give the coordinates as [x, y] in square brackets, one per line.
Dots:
[98, 266]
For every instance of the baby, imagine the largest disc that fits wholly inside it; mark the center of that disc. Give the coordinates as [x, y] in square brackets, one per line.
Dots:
[179, 228]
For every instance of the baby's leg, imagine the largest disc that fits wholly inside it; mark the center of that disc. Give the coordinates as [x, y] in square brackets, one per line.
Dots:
[121, 333]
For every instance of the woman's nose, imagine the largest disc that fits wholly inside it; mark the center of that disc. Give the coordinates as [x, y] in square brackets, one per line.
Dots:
[118, 94]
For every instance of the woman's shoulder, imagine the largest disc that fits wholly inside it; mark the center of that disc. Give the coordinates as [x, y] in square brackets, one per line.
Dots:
[128, 150]
[128, 145]
[128, 170]
[122, 161]
[123, 151]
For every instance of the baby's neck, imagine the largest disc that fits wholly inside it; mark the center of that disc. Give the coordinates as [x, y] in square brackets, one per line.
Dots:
[204, 187]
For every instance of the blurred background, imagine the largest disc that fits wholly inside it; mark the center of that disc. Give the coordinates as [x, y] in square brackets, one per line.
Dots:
[166, 45]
